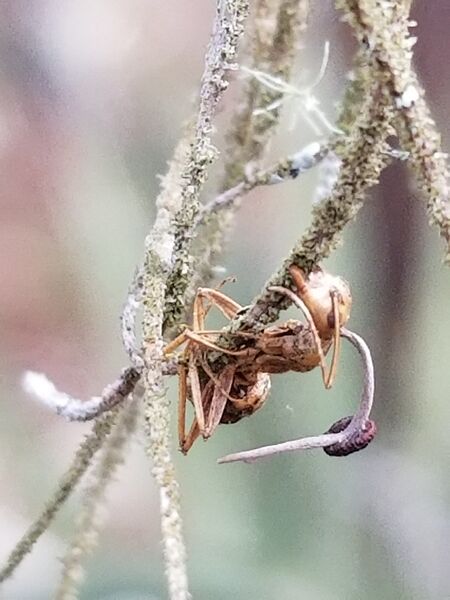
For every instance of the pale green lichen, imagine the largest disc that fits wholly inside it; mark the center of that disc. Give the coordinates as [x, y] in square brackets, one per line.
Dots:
[385, 27]
[156, 270]
[89, 519]
[80, 463]
[363, 154]
[384, 91]
[220, 57]
[272, 39]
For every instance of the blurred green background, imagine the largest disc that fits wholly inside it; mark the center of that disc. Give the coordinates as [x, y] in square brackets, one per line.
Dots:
[92, 99]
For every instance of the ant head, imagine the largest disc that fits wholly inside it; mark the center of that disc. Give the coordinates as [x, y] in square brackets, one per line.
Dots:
[320, 291]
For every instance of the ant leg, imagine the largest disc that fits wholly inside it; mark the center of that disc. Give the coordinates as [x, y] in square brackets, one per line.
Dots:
[182, 397]
[298, 278]
[214, 378]
[302, 306]
[227, 306]
[197, 337]
[220, 397]
[337, 340]
[198, 325]
[178, 341]
[193, 434]
[196, 394]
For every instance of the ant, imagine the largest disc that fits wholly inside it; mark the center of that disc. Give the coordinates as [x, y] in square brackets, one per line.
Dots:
[241, 386]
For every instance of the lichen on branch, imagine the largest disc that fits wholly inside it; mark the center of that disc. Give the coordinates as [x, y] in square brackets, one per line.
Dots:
[363, 153]
[384, 27]
[167, 272]
[80, 463]
[222, 51]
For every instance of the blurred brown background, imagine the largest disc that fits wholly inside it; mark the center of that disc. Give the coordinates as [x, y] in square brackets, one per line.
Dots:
[92, 99]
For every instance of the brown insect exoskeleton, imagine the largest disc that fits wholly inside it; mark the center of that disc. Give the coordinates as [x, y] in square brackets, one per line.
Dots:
[241, 386]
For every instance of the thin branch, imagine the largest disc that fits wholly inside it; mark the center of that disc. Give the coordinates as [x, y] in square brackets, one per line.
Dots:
[73, 409]
[222, 50]
[348, 435]
[363, 153]
[385, 27]
[273, 38]
[89, 519]
[167, 271]
[283, 170]
[80, 463]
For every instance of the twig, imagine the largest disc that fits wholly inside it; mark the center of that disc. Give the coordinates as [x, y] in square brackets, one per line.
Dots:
[347, 435]
[272, 39]
[363, 153]
[227, 30]
[89, 519]
[384, 25]
[73, 409]
[285, 169]
[80, 463]
[167, 270]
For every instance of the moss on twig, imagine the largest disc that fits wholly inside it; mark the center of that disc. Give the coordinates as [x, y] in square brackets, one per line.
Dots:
[222, 51]
[80, 463]
[384, 93]
[363, 154]
[384, 26]
[89, 519]
[167, 273]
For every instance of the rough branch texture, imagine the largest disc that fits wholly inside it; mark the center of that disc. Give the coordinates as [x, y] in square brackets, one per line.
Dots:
[384, 27]
[272, 38]
[222, 51]
[89, 519]
[167, 272]
[383, 98]
[79, 466]
[363, 154]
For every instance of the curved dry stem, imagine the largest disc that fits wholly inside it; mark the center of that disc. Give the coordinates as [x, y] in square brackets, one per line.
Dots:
[327, 439]
[273, 38]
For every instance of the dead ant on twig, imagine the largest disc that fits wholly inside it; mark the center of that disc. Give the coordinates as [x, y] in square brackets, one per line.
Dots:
[241, 386]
